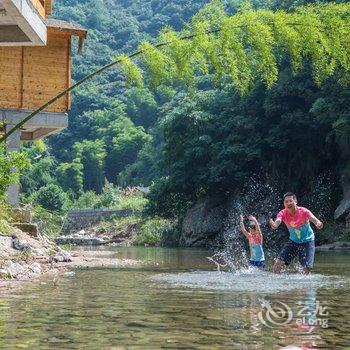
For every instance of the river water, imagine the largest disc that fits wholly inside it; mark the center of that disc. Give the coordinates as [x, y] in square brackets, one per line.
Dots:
[177, 300]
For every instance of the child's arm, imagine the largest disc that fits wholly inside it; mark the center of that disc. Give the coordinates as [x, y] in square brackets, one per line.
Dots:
[243, 229]
[316, 222]
[253, 218]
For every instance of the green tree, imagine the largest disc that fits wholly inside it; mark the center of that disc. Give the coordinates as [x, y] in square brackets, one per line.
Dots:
[127, 142]
[215, 140]
[141, 107]
[41, 169]
[92, 156]
[247, 47]
[11, 167]
[70, 177]
[145, 169]
[51, 197]
[41, 172]
[223, 106]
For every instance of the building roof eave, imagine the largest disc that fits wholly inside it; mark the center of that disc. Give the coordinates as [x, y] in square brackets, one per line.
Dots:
[71, 29]
[66, 27]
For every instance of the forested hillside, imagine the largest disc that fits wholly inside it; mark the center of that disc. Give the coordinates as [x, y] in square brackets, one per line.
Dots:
[187, 143]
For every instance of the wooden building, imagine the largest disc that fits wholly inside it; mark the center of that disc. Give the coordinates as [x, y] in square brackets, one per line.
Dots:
[35, 65]
[31, 75]
[32, 72]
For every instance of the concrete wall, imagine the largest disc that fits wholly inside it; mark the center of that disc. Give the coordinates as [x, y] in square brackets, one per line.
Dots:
[81, 219]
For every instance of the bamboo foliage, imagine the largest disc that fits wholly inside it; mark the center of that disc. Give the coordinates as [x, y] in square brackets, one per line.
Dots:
[248, 46]
[132, 72]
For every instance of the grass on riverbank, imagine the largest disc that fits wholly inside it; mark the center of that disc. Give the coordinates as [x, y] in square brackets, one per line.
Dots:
[111, 198]
[4, 219]
[49, 223]
[157, 232]
[137, 230]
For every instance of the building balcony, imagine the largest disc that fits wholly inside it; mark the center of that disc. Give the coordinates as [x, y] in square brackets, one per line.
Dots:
[22, 22]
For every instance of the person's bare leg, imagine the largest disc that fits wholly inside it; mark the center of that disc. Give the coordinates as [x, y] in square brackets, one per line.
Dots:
[277, 266]
[307, 270]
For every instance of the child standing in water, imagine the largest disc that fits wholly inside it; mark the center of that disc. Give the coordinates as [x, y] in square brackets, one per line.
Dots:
[255, 240]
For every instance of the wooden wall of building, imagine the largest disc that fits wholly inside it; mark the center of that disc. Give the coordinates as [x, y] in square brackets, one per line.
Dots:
[30, 76]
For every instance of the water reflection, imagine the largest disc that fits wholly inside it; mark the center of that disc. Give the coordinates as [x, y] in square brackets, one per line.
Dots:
[309, 322]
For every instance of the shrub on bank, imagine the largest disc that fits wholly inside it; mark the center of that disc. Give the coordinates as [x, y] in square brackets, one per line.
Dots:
[136, 202]
[113, 198]
[155, 232]
[49, 223]
[4, 217]
[51, 197]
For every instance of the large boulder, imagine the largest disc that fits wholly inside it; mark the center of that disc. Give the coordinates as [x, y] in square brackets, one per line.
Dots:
[62, 256]
[20, 244]
[15, 269]
[5, 244]
[214, 222]
[203, 222]
[343, 208]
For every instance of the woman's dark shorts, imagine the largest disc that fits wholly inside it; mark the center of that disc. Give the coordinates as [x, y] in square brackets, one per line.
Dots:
[260, 264]
[305, 252]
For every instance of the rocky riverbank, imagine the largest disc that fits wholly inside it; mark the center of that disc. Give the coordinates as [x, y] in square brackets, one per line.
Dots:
[117, 233]
[23, 257]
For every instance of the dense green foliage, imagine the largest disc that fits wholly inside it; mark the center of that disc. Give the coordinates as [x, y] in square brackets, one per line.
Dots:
[11, 166]
[264, 96]
[153, 232]
[51, 197]
[287, 136]
[105, 136]
[70, 178]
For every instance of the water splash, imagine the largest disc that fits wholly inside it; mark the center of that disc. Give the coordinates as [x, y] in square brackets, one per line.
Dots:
[260, 200]
[263, 200]
[320, 199]
[250, 280]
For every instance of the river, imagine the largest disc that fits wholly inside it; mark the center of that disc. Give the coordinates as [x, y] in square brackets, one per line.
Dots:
[177, 300]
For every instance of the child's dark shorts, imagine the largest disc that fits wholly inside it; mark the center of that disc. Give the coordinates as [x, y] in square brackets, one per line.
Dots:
[260, 264]
[305, 252]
